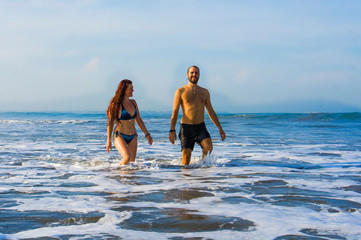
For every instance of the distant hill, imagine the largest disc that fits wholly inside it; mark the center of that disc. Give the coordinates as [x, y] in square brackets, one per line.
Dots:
[289, 107]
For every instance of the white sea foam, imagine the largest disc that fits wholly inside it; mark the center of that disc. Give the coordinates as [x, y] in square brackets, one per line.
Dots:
[284, 184]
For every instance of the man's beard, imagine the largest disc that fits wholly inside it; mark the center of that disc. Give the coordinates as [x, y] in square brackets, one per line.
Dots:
[193, 80]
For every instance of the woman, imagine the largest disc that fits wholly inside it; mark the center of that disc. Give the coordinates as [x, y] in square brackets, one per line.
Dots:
[124, 112]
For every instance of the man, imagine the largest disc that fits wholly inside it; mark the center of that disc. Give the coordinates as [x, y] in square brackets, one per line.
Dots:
[193, 99]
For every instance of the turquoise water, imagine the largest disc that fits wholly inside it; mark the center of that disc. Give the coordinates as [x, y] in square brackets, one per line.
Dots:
[277, 176]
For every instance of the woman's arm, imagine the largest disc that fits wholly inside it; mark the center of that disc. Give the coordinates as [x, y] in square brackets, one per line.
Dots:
[109, 136]
[142, 126]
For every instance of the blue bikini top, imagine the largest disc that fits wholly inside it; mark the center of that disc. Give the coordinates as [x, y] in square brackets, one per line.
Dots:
[125, 114]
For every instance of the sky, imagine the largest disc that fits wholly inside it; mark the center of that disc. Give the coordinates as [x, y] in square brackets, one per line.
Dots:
[254, 56]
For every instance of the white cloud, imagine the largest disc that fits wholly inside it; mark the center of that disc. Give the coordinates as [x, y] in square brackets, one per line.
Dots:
[245, 75]
[328, 77]
[92, 65]
[71, 53]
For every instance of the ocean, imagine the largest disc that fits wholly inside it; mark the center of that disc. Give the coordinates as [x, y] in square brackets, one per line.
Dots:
[276, 176]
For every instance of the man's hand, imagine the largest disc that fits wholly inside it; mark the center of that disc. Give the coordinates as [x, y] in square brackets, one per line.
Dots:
[172, 136]
[223, 134]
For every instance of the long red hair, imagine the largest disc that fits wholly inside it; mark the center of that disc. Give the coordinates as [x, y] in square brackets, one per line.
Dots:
[114, 105]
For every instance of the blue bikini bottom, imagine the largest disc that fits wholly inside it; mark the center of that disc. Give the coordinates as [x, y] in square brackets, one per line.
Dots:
[127, 138]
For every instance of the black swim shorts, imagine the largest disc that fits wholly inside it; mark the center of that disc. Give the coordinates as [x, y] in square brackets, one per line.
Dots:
[190, 134]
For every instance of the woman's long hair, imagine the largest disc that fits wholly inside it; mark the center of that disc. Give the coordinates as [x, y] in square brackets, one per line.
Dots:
[114, 105]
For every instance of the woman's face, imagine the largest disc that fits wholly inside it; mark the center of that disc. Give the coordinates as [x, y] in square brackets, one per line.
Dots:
[129, 91]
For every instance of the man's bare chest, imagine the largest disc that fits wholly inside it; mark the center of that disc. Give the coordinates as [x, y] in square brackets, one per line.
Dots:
[190, 97]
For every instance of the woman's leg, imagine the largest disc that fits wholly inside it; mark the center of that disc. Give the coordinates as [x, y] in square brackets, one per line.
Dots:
[123, 149]
[133, 145]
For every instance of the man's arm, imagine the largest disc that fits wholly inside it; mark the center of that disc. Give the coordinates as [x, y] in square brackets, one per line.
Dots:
[174, 118]
[213, 116]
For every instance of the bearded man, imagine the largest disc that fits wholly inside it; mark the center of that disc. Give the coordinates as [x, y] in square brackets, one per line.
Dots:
[193, 99]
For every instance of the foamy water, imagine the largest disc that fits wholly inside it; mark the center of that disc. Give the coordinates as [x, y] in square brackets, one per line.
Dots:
[277, 176]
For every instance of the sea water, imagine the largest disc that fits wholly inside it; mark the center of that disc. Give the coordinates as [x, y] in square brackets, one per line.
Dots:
[276, 176]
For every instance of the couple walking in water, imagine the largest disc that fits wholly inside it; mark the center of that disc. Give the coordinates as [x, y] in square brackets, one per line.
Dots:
[124, 112]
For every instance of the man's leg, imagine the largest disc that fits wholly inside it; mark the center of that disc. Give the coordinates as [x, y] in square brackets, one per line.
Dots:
[207, 146]
[186, 156]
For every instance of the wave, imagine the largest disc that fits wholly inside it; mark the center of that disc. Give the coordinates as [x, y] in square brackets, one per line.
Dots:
[299, 117]
[12, 121]
[80, 118]
[53, 114]
[50, 117]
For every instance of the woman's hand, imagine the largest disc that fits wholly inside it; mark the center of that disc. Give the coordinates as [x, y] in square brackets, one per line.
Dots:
[150, 139]
[223, 134]
[109, 146]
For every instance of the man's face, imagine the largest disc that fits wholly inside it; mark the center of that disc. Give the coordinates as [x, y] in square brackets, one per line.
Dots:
[193, 75]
